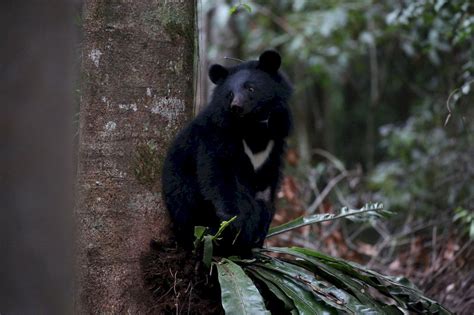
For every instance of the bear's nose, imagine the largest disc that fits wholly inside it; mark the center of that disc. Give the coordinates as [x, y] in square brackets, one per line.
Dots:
[237, 104]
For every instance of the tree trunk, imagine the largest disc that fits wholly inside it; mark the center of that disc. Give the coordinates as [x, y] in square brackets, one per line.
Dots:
[137, 93]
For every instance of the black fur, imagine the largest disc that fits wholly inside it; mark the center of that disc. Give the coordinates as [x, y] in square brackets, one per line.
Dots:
[208, 178]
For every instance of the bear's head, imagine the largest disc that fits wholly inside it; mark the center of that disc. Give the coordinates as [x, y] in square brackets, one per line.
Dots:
[251, 88]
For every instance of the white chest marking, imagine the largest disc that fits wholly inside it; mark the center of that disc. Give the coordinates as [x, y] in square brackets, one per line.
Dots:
[264, 194]
[257, 159]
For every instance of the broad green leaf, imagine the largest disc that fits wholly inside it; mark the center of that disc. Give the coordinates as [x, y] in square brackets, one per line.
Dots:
[315, 218]
[401, 290]
[199, 231]
[208, 251]
[364, 302]
[327, 292]
[239, 294]
[360, 272]
[304, 300]
[343, 281]
[289, 305]
[238, 259]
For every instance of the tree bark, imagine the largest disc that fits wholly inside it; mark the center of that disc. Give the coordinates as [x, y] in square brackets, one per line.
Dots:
[137, 93]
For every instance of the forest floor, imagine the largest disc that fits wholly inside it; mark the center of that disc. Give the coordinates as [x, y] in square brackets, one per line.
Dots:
[441, 264]
[453, 286]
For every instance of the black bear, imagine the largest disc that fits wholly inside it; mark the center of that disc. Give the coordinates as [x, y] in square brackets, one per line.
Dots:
[227, 161]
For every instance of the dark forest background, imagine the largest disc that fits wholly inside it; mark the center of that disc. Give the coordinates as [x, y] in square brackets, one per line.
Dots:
[383, 111]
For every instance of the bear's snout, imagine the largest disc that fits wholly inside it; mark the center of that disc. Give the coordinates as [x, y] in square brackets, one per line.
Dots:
[237, 105]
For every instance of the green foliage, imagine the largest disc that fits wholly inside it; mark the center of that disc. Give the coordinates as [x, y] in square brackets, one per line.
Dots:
[238, 292]
[236, 7]
[206, 241]
[310, 282]
[368, 209]
[427, 165]
[466, 217]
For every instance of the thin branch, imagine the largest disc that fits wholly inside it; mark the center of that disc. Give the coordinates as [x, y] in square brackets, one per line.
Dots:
[331, 158]
[234, 59]
[452, 260]
[332, 183]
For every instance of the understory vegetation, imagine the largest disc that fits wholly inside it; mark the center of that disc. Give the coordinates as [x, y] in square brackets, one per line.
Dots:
[297, 280]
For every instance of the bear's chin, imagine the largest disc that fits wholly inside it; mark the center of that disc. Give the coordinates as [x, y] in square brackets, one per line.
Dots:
[258, 115]
[237, 116]
[251, 118]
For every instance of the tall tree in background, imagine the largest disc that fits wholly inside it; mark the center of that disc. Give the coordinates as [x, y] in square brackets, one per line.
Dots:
[137, 92]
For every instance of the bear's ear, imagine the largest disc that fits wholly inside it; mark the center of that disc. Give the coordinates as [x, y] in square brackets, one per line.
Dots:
[217, 73]
[269, 61]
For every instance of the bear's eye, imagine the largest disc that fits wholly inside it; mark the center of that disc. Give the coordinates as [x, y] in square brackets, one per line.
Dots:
[231, 95]
[251, 89]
